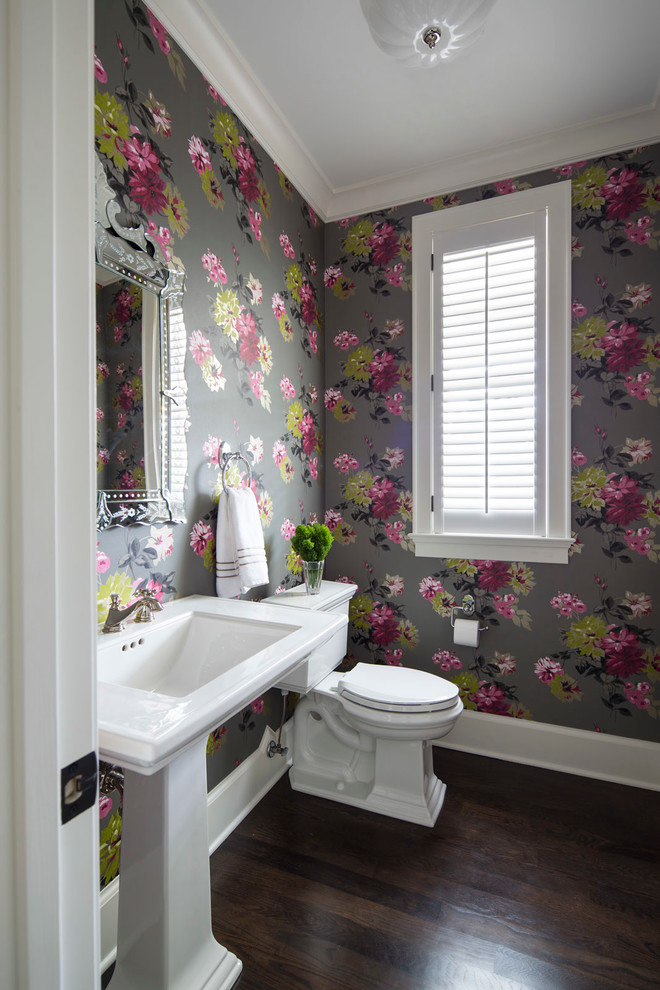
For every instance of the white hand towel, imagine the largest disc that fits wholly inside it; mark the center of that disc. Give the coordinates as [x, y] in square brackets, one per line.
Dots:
[240, 552]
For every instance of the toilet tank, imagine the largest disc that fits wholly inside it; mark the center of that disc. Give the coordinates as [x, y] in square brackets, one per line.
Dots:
[334, 596]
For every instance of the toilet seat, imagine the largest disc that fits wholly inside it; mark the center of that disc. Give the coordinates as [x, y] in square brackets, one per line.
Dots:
[397, 689]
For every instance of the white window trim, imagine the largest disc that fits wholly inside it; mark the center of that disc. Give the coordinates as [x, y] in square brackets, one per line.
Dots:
[555, 200]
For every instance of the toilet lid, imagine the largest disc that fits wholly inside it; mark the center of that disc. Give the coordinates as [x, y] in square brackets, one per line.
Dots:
[397, 689]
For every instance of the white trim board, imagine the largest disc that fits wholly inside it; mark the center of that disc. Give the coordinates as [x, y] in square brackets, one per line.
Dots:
[588, 754]
[228, 805]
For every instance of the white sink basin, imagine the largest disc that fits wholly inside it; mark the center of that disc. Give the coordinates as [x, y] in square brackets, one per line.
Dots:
[162, 685]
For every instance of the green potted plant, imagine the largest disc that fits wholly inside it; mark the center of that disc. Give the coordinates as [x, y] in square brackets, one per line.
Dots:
[312, 543]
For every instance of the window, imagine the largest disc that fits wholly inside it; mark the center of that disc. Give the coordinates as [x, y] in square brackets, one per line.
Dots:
[491, 378]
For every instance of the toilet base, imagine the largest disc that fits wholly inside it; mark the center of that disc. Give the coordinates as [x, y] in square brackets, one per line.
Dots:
[390, 776]
[362, 795]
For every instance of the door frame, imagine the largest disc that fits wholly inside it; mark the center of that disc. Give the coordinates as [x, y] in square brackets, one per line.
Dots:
[49, 913]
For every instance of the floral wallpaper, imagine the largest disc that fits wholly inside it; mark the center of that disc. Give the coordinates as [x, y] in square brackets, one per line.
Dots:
[571, 645]
[179, 159]
[119, 387]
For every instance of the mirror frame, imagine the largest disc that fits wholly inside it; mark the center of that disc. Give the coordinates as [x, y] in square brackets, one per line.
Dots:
[135, 255]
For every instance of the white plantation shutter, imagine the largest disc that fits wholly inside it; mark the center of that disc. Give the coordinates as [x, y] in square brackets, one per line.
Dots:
[491, 363]
[487, 402]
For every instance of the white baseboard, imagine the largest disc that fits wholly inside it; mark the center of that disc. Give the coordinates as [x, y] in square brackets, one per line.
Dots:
[587, 754]
[228, 804]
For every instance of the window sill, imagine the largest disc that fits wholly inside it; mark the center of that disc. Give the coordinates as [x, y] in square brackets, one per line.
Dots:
[526, 549]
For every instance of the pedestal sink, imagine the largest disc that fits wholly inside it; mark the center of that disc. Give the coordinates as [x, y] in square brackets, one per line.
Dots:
[162, 687]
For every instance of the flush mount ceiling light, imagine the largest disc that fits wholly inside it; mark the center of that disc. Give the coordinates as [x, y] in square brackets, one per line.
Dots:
[425, 32]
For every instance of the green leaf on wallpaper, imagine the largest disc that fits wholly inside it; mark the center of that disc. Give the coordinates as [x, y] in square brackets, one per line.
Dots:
[110, 845]
[176, 65]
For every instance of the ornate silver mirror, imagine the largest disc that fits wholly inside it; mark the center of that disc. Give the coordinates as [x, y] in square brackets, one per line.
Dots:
[141, 408]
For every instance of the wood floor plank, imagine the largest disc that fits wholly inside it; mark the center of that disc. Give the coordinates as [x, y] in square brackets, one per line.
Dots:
[531, 879]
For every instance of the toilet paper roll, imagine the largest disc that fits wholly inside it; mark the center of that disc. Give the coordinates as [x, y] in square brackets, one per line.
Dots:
[466, 632]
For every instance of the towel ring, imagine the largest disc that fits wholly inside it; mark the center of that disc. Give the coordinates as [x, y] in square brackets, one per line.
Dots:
[230, 457]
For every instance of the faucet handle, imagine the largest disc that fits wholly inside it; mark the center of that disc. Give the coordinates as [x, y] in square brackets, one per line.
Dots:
[115, 601]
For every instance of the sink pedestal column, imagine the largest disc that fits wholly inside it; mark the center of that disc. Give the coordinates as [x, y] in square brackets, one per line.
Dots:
[164, 938]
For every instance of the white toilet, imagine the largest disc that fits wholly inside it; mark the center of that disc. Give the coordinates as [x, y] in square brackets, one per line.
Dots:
[364, 737]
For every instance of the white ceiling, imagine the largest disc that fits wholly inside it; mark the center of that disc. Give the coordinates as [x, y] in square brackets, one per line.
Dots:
[548, 81]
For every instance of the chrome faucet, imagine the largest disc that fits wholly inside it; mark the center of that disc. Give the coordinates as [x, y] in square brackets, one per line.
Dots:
[144, 607]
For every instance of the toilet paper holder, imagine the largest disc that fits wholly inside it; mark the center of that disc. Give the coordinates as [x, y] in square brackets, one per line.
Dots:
[467, 608]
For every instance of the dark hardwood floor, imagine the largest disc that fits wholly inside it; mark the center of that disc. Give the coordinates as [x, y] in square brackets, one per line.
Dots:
[530, 879]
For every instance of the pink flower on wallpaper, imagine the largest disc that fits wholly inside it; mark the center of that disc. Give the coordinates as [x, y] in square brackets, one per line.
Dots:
[103, 455]
[287, 246]
[490, 698]
[394, 658]
[200, 347]
[126, 481]
[637, 694]
[639, 295]
[637, 230]
[624, 193]
[287, 388]
[578, 458]
[313, 341]
[394, 276]
[199, 156]
[566, 604]
[279, 309]
[244, 157]
[214, 267]
[505, 605]
[255, 221]
[248, 338]
[288, 528]
[394, 456]
[492, 574]
[447, 660]
[161, 234]
[638, 540]
[211, 450]
[394, 328]
[257, 383]
[160, 34]
[636, 386]
[346, 339]
[140, 156]
[578, 310]
[384, 243]
[331, 276]
[384, 627]
[624, 500]
[623, 653]
[546, 669]
[279, 452]
[331, 397]
[200, 537]
[384, 498]
[309, 437]
[505, 187]
[105, 805]
[147, 189]
[430, 587]
[346, 463]
[102, 561]
[314, 467]
[394, 531]
[257, 706]
[394, 403]
[99, 414]
[313, 393]
[638, 450]
[126, 396]
[384, 370]
[99, 71]
[623, 346]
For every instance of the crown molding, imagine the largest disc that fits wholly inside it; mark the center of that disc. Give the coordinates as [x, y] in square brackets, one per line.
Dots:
[202, 38]
[200, 35]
